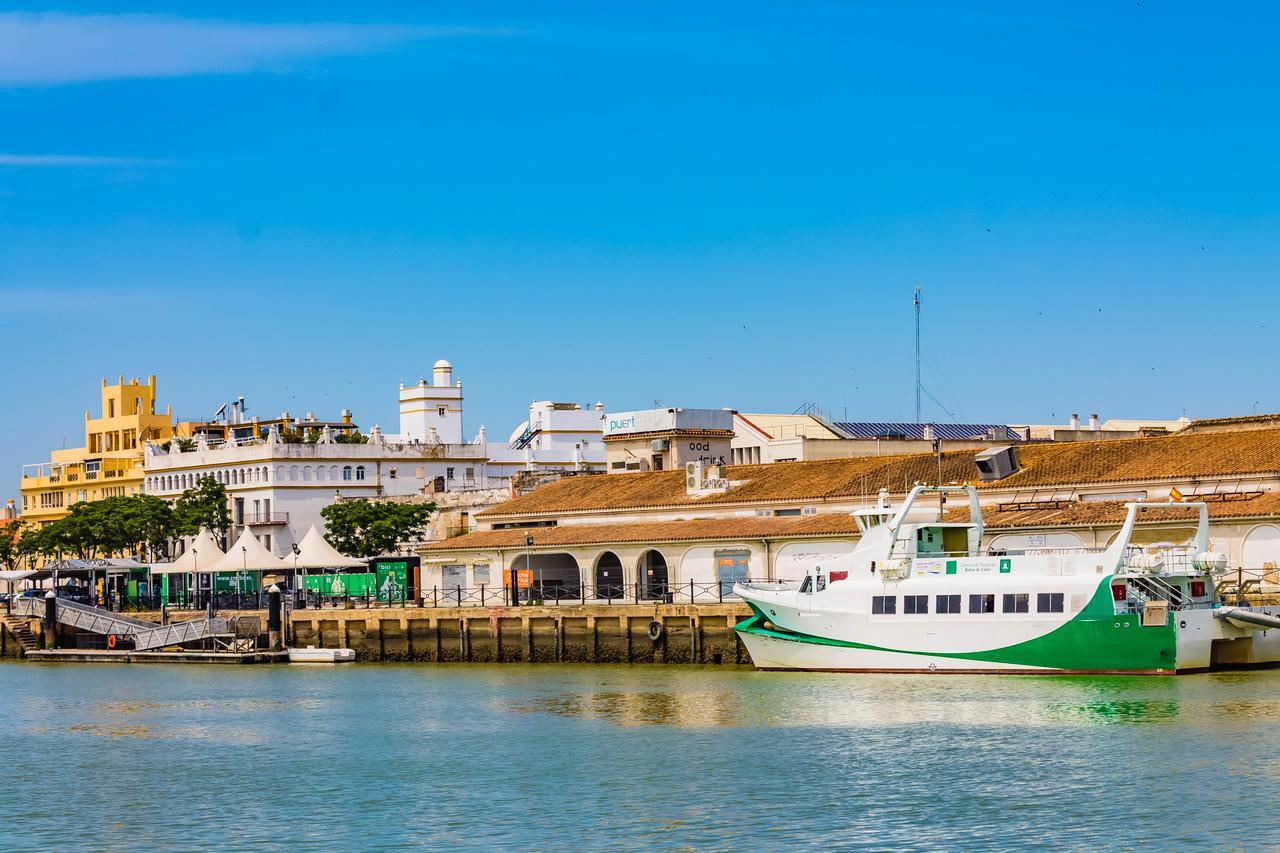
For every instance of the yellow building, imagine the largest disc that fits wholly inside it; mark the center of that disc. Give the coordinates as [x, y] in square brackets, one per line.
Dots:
[109, 463]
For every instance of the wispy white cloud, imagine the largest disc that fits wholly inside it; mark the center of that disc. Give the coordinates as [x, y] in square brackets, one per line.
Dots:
[76, 160]
[56, 48]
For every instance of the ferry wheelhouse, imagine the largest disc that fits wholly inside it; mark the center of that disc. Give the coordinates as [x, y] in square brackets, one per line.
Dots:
[922, 594]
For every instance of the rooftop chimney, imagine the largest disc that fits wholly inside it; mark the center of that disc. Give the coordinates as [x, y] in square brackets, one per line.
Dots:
[1093, 422]
[1075, 421]
[929, 434]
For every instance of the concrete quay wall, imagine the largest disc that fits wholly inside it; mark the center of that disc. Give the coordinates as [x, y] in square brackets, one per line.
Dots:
[575, 633]
[691, 633]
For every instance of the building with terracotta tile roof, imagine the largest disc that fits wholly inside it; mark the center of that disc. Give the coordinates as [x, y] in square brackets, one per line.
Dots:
[1058, 495]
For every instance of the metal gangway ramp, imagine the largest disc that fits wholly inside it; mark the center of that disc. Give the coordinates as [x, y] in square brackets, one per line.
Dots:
[145, 635]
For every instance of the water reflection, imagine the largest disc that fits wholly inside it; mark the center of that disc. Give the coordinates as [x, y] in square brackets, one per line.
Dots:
[631, 757]
[833, 700]
[644, 708]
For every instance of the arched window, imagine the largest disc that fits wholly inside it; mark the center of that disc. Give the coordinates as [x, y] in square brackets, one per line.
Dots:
[346, 472]
[293, 472]
[333, 472]
[307, 473]
[360, 472]
[322, 472]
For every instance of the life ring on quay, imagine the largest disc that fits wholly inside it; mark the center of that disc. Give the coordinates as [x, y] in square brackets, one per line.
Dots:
[655, 630]
[111, 641]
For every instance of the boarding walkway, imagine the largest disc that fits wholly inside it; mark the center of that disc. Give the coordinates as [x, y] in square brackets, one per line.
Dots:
[145, 635]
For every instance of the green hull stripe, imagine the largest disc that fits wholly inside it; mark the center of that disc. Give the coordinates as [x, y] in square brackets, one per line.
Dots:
[1094, 639]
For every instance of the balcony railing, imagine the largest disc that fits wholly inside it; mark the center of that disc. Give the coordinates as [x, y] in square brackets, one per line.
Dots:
[266, 518]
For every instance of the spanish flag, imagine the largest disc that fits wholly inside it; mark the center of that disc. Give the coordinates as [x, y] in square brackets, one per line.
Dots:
[1175, 495]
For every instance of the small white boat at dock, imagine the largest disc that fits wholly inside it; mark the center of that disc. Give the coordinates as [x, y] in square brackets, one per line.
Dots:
[313, 655]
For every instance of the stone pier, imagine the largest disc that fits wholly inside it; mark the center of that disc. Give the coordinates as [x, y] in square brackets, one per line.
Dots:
[570, 633]
[590, 633]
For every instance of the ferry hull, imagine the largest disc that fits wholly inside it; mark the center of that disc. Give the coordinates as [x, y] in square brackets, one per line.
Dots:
[1203, 643]
[776, 653]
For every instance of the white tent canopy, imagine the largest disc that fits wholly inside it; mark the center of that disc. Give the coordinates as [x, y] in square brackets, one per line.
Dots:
[314, 552]
[16, 574]
[247, 554]
[199, 557]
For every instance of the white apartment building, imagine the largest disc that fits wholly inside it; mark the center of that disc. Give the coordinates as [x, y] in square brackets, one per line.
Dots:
[278, 488]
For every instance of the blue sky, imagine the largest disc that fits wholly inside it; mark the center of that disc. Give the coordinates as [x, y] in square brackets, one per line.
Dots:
[702, 204]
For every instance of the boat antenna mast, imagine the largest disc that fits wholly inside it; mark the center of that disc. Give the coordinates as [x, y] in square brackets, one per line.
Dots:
[918, 386]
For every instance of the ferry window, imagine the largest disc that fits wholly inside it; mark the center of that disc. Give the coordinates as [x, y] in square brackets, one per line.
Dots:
[915, 604]
[948, 603]
[1016, 602]
[822, 582]
[1049, 602]
[807, 586]
[884, 604]
[982, 604]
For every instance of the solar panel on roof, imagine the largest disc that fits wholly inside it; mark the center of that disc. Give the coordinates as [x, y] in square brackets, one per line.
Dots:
[952, 432]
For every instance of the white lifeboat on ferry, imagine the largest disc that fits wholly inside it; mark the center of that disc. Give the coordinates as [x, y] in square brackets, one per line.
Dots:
[1151, 563]
[1210, 562]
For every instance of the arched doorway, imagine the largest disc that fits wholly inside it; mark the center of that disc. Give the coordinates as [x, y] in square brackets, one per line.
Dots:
[1260, 554]
[653, 578]
[608, 576]
[551, 577]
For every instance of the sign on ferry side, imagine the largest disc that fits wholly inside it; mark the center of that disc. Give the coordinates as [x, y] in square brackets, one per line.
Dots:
[967, 565]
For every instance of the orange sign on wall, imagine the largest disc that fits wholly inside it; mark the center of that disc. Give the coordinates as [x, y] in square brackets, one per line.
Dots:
[524, 578]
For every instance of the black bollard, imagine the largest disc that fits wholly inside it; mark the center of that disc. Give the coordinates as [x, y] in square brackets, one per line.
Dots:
[273, 619]
[50, 620]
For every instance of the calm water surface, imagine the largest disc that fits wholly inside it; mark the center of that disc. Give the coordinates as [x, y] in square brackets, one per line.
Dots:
[586, 758]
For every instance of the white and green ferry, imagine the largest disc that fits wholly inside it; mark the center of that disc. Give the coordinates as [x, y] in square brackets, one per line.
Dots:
[920, 594]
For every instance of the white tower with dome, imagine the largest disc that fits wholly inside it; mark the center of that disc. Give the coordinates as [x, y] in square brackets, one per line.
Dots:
[432, 413]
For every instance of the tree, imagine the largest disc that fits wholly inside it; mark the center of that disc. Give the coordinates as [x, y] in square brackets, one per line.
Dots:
[146, 523]
[203, 506]
[363, 528]
[10, 544]
[77, 533]
[35, 541]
